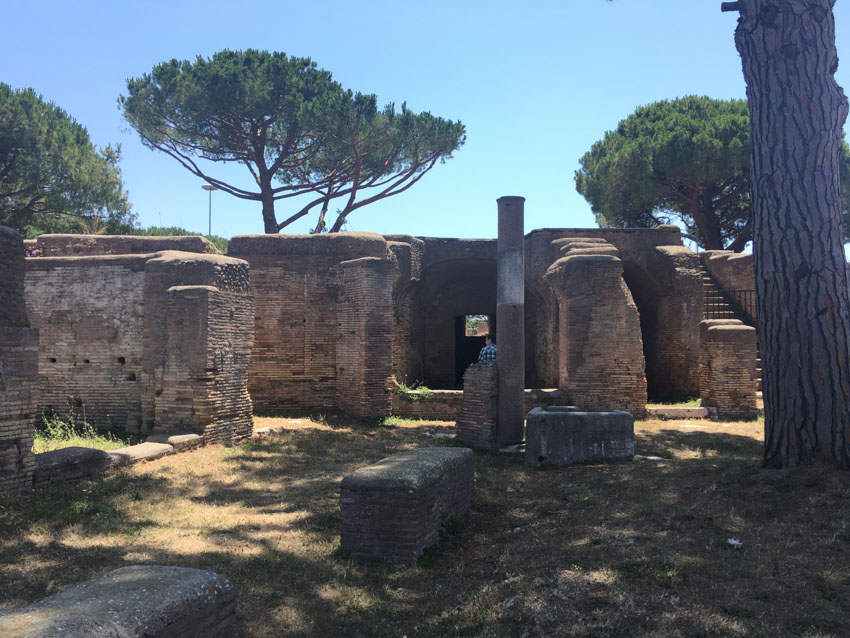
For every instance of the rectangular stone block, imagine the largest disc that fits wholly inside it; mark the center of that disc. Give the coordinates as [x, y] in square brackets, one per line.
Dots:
[139, 601]
[563, 436]
[395, 508]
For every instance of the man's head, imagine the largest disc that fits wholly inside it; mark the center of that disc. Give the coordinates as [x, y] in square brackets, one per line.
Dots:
[490, 338]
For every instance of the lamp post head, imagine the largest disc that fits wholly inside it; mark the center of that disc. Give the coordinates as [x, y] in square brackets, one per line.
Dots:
[209, 187]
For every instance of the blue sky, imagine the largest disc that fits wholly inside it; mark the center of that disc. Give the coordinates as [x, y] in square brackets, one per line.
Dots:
[535, 86]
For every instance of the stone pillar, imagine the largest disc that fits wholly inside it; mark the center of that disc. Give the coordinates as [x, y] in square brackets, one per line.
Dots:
[476, 424]
[730, 370]
[705, 382]
[510, 320]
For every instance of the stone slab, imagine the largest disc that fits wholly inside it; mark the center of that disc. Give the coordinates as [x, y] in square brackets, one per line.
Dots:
[132, 602]
[178, 440]
[142, 452]
[558, 437]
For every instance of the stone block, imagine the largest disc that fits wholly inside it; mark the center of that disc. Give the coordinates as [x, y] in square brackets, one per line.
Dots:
[147, 451]
[147, 601]
[70, 464]
[396, 507]
[559, 436]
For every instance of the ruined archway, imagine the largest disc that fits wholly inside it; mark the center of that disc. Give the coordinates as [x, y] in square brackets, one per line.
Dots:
[448, 292]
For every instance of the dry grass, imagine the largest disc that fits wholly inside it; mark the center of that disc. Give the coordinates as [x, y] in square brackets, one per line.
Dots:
[635, 549]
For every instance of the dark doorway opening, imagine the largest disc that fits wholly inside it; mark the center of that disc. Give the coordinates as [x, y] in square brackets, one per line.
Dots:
[468, 343]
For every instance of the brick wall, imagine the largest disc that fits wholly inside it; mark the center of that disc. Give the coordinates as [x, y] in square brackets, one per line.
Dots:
[198, 334]
[728, 369]
[144, 341]
[476, 424]
[295, 284]
[18, 369]
[364, 337]
[90, 316]
[673, 359]
[408, 356]
[601, 351]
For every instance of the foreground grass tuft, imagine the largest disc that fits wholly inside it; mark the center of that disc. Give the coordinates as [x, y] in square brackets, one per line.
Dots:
[54, 432]
[632, 549]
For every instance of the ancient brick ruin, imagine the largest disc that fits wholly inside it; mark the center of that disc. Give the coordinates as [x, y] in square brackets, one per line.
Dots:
[338, 316]
[151, 341]
[154, 334]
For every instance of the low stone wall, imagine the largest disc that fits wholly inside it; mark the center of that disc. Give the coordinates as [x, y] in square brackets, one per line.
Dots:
[728, 369]
[440, 405]
[476, 424]
[18, 369]
[140, 601]
[396, 508]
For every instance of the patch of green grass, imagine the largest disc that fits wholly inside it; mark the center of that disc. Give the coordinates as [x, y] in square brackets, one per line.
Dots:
[54, 432]
[682, 402]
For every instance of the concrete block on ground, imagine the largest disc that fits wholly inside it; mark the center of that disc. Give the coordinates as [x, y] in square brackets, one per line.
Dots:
[147, 601]
[563, 436]
[396, 507]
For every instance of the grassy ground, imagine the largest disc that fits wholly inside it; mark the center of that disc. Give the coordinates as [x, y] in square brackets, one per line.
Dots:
[53, 433]
[634, 549]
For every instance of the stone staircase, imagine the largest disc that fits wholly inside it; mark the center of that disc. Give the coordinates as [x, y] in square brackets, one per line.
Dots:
[718, 306]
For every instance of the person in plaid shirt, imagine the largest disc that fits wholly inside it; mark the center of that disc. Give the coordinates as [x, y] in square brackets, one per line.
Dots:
[488, 352]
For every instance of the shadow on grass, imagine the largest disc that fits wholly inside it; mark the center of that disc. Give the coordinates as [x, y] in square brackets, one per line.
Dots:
[632, 549]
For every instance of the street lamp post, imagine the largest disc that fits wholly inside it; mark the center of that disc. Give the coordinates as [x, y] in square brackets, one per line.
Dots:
[210, 188]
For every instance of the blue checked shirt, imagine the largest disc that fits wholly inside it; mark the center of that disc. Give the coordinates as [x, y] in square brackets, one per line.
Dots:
[488, 353]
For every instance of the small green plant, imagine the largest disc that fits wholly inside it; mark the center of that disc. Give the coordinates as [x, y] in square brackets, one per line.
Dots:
[54, 432]
[413, 392]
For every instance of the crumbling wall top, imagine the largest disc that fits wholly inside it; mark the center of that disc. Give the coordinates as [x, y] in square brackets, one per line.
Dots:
[341, 245]
[68, 245]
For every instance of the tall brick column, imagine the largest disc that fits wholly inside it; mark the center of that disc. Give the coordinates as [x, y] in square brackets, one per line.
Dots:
[510, 320]
[601, 359]
[18, 369]
[364, 337]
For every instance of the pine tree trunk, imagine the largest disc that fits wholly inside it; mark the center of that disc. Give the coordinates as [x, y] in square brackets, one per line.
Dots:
[788, 53]
[269, 219]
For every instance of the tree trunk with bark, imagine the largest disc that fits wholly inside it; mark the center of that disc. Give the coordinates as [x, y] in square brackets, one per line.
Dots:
[797, 110]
